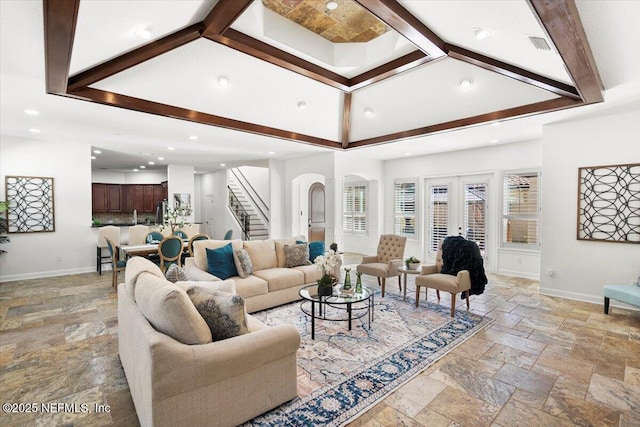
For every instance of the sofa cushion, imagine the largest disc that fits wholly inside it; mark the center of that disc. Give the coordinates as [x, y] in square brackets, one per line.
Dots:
[176, 273]
[311, 273]
[315, 250]
[296, 255]
[281, 278]
[220, 262]
[228, 286]
[280, 244]
[200, 254]
[169, 310]
[262, 253]
[243, 263]
[223, 312]
[251, 286]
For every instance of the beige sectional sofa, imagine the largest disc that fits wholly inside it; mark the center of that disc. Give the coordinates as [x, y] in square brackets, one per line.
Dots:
[199, 383]
[271, 283]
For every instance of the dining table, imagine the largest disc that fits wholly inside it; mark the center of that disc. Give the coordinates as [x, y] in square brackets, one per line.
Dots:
[144, 250]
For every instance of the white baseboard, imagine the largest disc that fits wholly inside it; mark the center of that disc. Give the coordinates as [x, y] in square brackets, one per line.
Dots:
[54, 273]
[596, 299]
[523, 274]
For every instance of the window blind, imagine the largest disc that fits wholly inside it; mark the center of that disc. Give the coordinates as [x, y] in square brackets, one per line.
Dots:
[439, 215]
[475, 214]
[520, 213]
[405, 208]
[354, 216]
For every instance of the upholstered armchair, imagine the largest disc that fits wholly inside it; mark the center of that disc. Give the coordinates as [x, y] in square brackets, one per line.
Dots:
[386, 261]
[431, 277]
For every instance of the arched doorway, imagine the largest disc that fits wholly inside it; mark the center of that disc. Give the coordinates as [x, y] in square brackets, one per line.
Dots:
[316, 212]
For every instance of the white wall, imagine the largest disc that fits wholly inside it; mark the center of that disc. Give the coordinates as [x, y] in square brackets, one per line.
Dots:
[71, 248]
[258, 177]
[487, 161]
[110, 177]
[581, 268]
[214, 188]
[181, 180]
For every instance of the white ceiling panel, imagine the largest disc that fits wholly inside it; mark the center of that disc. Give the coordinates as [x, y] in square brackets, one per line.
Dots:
[258, 92]
[432, 94]
[107, 29]
[509, 22]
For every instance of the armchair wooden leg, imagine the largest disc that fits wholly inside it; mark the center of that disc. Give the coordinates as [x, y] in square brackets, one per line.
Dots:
[379, 282]
[417, 295]
[438, 294]
[384, 280]
[468, 298]
[453, 305]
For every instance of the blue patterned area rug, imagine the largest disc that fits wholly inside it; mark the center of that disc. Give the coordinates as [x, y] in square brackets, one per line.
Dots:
[342, 373]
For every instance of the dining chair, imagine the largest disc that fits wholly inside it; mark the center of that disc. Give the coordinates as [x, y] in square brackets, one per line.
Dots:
[138, 234]
[170, 251]
[117, 265]
[153, 237]
[228, 234]
[193, 239]
[181, 234]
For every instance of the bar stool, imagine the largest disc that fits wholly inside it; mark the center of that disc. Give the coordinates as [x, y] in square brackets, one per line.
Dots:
[102, 254]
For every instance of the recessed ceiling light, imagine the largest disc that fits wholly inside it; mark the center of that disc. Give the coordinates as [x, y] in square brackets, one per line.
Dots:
[466, 83]
[368, 111]
[143, 167]
[302, 105]
[171, 148]
[481, 33]
[151, 163]
[93, 157]
[223, 80]
[34, 130]
[332, 5]
[135, 170]
[143, 32]
[407, 154]
[493, 141]
[222, 165]
[97, 151]
[193, 137]
[31, 112]
[160, 158]
[271, 153]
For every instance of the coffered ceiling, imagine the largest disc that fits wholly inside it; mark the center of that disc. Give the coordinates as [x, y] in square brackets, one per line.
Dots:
[365, 73]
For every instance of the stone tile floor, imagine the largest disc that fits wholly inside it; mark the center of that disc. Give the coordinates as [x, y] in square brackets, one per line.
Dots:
[543, 362]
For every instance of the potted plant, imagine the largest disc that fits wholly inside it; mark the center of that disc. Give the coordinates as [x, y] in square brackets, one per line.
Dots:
[327, 264]
[412, 263]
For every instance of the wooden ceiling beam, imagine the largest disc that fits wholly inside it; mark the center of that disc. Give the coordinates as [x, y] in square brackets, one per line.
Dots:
[390, 69]
[521, 111]
[561, 20]
[258, 49]
[397, 17]
[223, 15]
[512, 71]
[60, 17]
[159, 109]
[346, 119]
[136, 56]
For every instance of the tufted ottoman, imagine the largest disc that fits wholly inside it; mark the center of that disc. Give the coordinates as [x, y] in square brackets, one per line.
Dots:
[629, 294]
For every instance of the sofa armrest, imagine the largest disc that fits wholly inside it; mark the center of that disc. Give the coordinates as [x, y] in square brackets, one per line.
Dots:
[369, 259]
[196, 274]
[178, 368]
[393, 267]
[429, 269]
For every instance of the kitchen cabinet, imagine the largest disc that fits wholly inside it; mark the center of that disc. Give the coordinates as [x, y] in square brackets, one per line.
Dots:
[127, 197]
[99, 197]
[114, 198]
[149, 202]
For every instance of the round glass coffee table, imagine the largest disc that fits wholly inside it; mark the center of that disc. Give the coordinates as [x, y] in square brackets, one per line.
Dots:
[336, 307]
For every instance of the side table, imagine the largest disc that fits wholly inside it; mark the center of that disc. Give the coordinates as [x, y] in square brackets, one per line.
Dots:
[406, 271]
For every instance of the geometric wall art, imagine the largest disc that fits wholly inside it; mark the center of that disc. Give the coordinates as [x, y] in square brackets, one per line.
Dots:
[609, 203]
[30, 204]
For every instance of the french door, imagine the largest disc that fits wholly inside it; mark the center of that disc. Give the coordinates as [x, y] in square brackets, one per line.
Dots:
[455, 206]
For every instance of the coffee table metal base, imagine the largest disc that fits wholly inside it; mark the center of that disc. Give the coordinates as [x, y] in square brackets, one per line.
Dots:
[354, 310]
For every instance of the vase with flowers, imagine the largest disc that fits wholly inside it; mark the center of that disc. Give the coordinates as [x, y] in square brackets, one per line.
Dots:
[176, 218]
[327, 263]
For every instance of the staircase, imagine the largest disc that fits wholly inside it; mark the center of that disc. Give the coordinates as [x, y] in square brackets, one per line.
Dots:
[258, 228]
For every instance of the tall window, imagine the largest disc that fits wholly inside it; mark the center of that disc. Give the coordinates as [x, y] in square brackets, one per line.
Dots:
[354, 217]
[438, 215]
[520, 213]
[475, 214]
[405, 208]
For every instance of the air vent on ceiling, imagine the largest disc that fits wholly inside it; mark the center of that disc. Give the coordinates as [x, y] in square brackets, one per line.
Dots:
[539, 43]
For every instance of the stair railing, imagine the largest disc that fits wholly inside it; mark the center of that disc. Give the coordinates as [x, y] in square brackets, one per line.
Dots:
[240, 214]
[248, 189]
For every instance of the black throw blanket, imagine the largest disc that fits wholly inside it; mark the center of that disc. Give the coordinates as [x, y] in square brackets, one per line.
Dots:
[458, 254]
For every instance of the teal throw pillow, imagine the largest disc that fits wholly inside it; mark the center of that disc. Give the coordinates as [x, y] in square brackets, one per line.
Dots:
[220, 262]
[315, 250]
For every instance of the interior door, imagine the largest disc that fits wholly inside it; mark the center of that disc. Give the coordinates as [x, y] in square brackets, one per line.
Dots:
[456, 206]
[208, 217]
[316, 212]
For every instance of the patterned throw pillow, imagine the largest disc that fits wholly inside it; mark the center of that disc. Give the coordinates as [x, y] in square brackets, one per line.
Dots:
[224, 313]
[296, 255]
[176, 273]
[243, 263]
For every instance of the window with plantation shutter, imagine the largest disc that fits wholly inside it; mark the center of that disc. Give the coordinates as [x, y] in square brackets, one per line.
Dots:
[438, 215]
[354, 202]
[520, 211]
[405, 208]
[475, 214]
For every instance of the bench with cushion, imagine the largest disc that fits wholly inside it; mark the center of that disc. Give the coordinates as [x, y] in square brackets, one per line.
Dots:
[629, 294]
